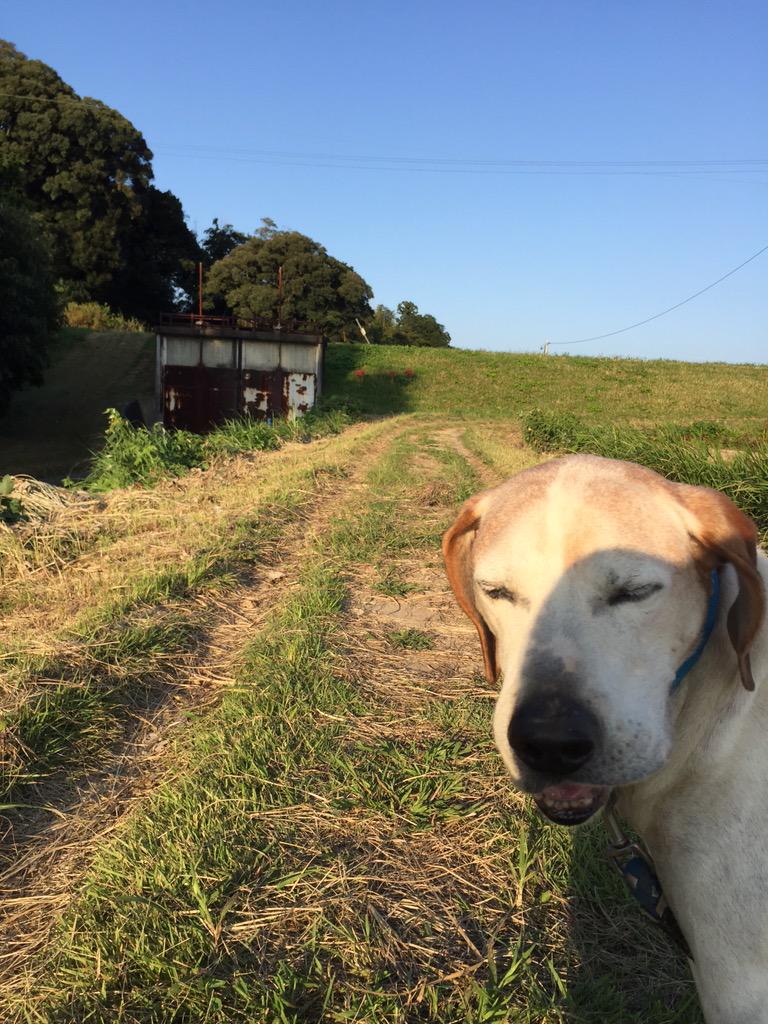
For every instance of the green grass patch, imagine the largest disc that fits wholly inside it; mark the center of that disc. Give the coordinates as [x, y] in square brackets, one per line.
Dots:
[138, 455]
[392, 584]
[73, 715]
[411, 639]
[482, 385]
[115, 656]
[690, 454]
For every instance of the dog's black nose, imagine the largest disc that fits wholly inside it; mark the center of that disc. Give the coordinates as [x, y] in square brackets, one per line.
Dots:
[554, 736]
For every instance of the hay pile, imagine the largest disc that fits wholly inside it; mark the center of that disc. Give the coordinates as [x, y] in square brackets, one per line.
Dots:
[41, 502]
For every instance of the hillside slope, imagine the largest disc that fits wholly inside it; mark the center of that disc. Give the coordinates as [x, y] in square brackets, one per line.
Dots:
[498, 384]
[50, 431]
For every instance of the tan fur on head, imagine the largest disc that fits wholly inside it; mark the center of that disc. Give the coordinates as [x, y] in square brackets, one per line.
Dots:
[457, 552]
[724, 535]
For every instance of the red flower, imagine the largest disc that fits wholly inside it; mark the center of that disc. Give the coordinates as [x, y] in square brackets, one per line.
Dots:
[409, 373]
[359, 374]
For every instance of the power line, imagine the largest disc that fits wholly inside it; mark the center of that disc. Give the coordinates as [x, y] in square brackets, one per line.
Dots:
[433, 167]
[54, 99]
[677, 305]
[444, 165]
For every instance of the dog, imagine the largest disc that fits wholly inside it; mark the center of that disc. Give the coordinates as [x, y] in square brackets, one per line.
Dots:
[625, 616]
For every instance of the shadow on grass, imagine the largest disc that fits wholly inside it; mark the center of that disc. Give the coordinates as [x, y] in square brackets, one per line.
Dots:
[349, 379]
[622, 966]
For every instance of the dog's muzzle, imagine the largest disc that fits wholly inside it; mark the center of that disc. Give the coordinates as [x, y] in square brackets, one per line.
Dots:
[555, 737]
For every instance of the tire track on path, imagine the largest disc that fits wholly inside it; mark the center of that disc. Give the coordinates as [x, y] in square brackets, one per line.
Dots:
[49, 842]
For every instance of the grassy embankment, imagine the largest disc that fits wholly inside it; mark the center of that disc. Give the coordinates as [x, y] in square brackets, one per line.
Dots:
[705, 454]
[337, 840]
[50, 431]
[503, 385]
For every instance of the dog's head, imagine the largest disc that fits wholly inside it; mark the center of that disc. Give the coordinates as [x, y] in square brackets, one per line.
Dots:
[588, 581]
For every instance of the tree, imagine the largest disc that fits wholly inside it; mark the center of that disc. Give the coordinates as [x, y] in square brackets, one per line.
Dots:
[86, 174]
[420, 328]
[317, 290]
[159, 255]
[406, 327]
[219, 241]
[28, 305]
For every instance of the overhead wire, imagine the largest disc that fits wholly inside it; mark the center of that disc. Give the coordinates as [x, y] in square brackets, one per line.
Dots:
[433, 165]
[677, 305]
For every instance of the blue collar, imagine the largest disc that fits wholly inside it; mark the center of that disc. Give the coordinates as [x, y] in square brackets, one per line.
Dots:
[706, 633]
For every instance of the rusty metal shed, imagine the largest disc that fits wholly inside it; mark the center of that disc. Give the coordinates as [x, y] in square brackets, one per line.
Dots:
[210, 369]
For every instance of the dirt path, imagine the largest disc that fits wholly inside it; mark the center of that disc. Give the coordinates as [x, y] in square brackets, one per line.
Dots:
[48, 843]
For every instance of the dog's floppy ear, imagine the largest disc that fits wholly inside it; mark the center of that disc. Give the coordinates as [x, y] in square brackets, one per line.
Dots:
[457, 551]
[724, 534]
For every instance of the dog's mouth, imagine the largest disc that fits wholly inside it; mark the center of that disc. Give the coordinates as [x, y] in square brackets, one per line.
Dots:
[571, 803]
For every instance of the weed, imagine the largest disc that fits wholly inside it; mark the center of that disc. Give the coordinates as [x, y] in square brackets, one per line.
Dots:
[411, 639]
[138, 455]
[392, 584]
[99, 317]
[11, 509]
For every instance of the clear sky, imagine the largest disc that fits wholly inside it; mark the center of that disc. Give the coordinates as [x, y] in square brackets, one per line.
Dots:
[391, 131]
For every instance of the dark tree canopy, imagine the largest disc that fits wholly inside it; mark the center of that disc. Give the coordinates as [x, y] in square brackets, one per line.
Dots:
[406, 327]
[86, 174]
[218, 241]
[159, 256]
[28, 306]
[317, 289]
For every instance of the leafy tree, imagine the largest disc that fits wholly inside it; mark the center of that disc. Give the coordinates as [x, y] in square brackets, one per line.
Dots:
[28, 305]
[420, 328]
[159, 255]
[317, 288]
[406, 327]
[86, 173]
[218, 241]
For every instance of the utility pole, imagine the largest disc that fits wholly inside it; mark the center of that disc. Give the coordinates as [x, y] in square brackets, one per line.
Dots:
[545, 350]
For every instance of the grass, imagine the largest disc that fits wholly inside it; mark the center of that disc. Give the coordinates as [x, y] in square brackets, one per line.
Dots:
[474, 385]
[337, 840]
[49, 432]
[411, 639]
[65, 698]
[483, 385]
[332, 838]
[693, 454]
[138, 455]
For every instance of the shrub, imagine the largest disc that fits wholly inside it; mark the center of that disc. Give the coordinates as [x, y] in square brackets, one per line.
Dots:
[11, 509]
[141, 455]
[98, 317]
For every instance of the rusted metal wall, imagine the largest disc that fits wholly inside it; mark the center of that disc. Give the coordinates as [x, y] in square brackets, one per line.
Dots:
[205, 380]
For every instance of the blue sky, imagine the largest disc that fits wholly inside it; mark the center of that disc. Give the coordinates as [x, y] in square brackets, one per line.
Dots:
[403, 115]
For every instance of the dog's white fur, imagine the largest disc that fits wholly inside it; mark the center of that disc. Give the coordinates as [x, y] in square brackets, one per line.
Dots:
[690, 767]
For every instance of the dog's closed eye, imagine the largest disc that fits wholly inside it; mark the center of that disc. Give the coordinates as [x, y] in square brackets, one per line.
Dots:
[498, 592]
[631, 593]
